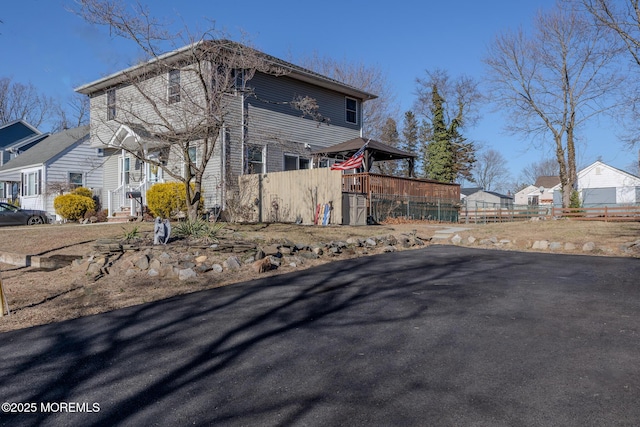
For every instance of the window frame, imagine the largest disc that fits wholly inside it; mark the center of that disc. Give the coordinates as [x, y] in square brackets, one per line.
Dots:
[298, 158]
[351, 111]
[173, 86]
[111, 104]
[73, 185]
[248, 170]
[32, 188]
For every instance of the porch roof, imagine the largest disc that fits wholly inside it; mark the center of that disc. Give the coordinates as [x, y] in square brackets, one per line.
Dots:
[376, 150]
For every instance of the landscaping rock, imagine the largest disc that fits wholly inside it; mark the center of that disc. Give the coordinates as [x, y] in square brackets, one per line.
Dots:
[186, 274]
[589, 247]
[231, 263]
[456, 240]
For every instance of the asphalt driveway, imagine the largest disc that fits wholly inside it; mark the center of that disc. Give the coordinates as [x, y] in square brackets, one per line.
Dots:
[440, 336]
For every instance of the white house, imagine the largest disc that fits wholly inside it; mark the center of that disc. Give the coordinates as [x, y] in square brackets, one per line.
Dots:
[540, 193]
[600, 184]
[64, 158]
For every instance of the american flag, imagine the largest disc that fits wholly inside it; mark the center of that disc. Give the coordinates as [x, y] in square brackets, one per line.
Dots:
[353, 162]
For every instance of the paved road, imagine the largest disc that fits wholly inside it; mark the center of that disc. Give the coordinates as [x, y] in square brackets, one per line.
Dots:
[440, 336]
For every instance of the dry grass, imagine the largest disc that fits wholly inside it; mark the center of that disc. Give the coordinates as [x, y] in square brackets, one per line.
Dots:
[37, 297]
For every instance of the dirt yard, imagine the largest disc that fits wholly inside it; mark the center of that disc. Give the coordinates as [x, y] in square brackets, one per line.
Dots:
[37, 296]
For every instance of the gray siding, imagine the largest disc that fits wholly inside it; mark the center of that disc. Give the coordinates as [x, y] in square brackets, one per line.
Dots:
[598, 196]
[270, 122]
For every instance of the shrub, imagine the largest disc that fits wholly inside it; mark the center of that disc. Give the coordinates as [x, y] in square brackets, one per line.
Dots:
[83, 191]
[574, 200]
[100, 216]
[72, 206]
[167, 199]
[197, 229]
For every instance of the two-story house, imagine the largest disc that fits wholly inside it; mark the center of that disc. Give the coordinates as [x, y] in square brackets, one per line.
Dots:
[261, 130]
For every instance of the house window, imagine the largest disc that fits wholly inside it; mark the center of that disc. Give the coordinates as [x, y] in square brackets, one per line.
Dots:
[254, 159]
[174, 86]
[533, 201]
[192, 161]
[75, 180]
[352, 110]
[125, 171]
[31, 183]
[294, 162]
[238, 79]
[111, 104]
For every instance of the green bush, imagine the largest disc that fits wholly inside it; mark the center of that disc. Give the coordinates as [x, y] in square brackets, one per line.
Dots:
[167, 199]
[73, 206]
[574, 200]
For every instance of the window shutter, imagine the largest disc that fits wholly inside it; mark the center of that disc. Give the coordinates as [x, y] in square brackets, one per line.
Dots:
[39, 187]
[23, 182]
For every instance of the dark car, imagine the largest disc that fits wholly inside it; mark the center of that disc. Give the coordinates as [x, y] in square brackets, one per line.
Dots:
[13, 215]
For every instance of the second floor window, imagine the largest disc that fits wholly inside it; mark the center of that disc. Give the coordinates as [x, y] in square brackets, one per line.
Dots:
[174, 86]
[352, 110]
[111, 104]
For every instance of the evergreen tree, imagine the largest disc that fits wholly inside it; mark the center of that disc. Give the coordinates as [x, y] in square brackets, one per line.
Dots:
[410, 134]
[439, 158]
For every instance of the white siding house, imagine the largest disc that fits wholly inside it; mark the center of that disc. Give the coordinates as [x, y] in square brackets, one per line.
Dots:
[600, 184]
[65, 158]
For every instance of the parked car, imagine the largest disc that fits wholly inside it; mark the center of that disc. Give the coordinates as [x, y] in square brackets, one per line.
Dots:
[13, 215]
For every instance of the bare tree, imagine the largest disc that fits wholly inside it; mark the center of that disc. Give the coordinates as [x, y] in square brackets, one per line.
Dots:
[554, 81]
[74, 114]
[366, 77]
[23, 102]
[193, 116]
[490, 170]
[533, 171]
[622, 18]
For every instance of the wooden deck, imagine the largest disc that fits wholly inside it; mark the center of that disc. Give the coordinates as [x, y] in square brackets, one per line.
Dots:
[370, 183]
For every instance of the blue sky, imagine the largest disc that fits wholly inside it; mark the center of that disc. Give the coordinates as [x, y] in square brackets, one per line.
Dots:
[44, 44]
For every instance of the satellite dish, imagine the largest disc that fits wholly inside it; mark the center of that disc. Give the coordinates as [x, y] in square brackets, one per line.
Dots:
[541, 189]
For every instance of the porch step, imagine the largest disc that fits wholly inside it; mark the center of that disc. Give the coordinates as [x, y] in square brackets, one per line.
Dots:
[123, 215]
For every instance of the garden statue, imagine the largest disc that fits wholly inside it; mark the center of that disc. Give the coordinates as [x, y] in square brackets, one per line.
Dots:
[161, 231]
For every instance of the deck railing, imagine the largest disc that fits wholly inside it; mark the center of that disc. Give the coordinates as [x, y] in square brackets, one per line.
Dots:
[368, 183]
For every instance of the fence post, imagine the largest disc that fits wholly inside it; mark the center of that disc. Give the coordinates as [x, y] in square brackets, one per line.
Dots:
[606, 214]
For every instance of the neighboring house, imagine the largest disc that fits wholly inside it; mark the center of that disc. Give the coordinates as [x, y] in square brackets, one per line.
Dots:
[65, 159]
[600, 184]
[15, 137]
[477, 198]
[541, 193]
[262, 132]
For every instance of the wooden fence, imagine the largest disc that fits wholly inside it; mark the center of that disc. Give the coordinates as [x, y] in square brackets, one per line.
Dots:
[601, 213]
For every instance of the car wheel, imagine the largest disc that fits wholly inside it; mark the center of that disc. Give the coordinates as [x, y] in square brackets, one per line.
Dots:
[35, 220]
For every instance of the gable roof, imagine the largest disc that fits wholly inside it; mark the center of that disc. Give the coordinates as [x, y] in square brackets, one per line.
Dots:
[48, 148]
[584, 171]
[15, 131]
[469, 190]
[182, 53]
[597, 163]
[547, 181]
[473, 190]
